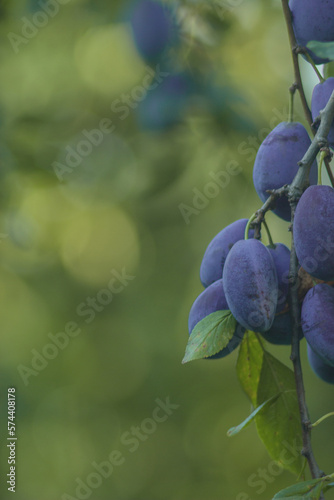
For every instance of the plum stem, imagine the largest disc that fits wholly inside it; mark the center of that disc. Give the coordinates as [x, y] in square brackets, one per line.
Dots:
[323, 155]
[329, 171]
[271, 243]
[292, 91]
[253, 217]
[331, 414]
[269, 203]
[310, 60]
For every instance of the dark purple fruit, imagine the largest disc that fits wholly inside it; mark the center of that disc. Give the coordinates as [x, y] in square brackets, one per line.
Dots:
[281, 331]
[165, 106]
[250, 284]
[153, 29]
[215, 255]
[320, 96]
[313, 20]
[281, 257]
[276, 163]
[213, 299]
[314, 232]
[317, 321]
[320, 368]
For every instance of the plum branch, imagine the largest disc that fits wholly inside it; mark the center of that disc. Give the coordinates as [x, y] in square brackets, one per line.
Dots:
[298, 84]
[295, 191]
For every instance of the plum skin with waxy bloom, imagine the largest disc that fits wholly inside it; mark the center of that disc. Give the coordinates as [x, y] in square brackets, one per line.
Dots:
[215, 255]
[320, 368]
[320, 96]
[281, 331]
[281, 257]
[250, 284]
[276, 163]
[313, 232]
[165, 106]
[153, 29]
[313, 20]
[317, 319]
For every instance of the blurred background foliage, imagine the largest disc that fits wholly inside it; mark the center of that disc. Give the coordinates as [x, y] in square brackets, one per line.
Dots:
[119, 207]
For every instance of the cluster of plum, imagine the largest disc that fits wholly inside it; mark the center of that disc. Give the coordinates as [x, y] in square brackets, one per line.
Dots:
[251, 280]
[155, 32]
[159, 34]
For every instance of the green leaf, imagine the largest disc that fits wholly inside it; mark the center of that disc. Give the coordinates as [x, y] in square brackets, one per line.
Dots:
[210, 335]
[329, 70]
[278, 425]
[262, 377]
[249, 365]
[309, 490]
[234, 430]
[322, 49]
[328, 486]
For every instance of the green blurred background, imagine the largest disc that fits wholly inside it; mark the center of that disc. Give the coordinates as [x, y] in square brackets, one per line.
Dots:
[120, 208]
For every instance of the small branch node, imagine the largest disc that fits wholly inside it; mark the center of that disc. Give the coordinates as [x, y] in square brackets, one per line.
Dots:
[307, 425]
[293, 358]
[300, 49]
[322, 142]
[305, 453]
[293, 88]
[316, 123]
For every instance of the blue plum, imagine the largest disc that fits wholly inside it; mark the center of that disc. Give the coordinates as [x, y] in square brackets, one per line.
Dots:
[320, 96]
[153, 29]
[281, 257]
[313, 20]
[250, 284]
[317, 321]
[276, 163]
[213, 299]
[165, 106]
[313, 232]
[281, 331]
[320, 368]
[215, 255]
